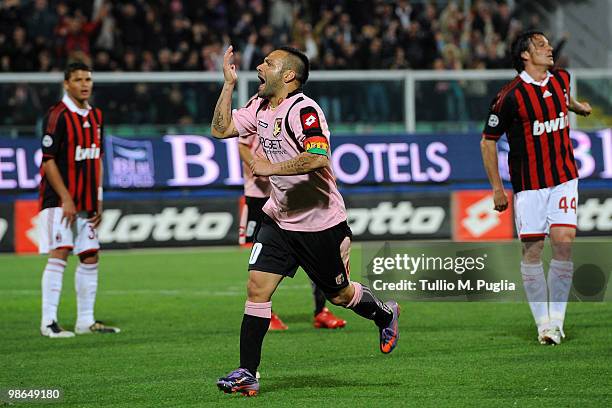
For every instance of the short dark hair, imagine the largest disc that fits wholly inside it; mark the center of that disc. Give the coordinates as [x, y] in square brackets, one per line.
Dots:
[298, 62]
[520, 45]
[75, 66]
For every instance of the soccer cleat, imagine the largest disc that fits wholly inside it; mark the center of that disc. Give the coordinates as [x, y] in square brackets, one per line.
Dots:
[239, 380]
[390, 335]
[276, 323]
[97, 327]
[551, 336]
[326, 320]
[55, 331]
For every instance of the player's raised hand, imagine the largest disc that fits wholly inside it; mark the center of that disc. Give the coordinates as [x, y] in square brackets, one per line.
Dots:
[500, 200]
[229, 69]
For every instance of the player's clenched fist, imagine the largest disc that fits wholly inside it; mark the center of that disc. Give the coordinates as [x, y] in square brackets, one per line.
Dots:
[229, 69]
[261, 167]
[500, 200]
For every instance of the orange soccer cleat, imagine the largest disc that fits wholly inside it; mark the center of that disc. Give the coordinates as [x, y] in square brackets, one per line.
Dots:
[326, 320]
[276, 323]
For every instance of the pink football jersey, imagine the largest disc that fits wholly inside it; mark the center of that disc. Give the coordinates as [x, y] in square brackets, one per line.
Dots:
[254, 186]
[307, 202]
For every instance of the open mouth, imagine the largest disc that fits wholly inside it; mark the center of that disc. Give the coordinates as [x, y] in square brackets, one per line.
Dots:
[262, 81]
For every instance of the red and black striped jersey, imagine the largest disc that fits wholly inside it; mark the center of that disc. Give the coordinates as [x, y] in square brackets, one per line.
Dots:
[73, 137]
[535, 118]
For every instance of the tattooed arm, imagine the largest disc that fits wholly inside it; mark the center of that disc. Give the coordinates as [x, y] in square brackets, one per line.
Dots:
[302, 164]
[222, 124]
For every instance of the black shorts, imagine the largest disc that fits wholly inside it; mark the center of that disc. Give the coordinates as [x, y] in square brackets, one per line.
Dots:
[324, 255]
[254, 214]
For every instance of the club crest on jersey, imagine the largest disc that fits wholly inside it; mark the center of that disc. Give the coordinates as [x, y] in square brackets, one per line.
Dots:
[47, 141]
[87, 153]
[493, 120]
[277, 127]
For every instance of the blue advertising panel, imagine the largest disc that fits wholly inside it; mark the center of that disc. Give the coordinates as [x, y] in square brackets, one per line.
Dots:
[197, 161]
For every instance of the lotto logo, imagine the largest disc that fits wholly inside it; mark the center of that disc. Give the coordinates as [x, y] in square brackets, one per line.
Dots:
[474, 218]
[310, 120]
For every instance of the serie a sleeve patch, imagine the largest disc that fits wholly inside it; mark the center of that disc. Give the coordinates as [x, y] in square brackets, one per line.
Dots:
[316, 145]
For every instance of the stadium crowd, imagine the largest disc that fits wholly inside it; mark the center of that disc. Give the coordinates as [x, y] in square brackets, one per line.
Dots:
[164, 35]
[191, 35]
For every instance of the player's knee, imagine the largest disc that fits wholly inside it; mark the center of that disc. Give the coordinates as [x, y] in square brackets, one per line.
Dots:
[341, 298]
[257, 292]
[61, 253]
[532, 251]
[89, 258]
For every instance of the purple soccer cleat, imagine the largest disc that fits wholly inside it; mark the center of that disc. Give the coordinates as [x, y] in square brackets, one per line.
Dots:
[239, 380]
[390, 334]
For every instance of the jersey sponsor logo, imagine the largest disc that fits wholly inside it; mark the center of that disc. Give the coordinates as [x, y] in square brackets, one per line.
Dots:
[86, 125]
[47, 141]
[546, 94]
[277, 127]
[271, 145]
[262, 123]
[549, 126]
[399, 219]
[493, 120]
[87, 153]
[310, 120]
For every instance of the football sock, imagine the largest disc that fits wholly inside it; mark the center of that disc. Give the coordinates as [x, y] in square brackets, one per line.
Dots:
[255, 323]
[367, 305]
[51, 289]
[536, 291]
[86, 285]
[319, 299]
[560, 275]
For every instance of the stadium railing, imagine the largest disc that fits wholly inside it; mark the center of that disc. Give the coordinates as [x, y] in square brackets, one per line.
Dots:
[357, 102]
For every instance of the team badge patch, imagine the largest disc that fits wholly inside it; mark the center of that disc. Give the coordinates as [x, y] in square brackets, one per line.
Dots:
[47, 141]
[316, 145]
[277, 127]
[493, 120]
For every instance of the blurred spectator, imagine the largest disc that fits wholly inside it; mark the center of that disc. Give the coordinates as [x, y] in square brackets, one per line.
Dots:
[191, 35]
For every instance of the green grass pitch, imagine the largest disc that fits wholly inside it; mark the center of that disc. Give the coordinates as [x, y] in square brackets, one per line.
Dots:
[180, 314]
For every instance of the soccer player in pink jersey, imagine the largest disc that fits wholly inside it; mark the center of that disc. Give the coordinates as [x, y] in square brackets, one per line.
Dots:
[256, 193]
[305, 218]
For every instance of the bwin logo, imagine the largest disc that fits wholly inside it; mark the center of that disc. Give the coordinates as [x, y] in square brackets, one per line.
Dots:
[551, 125]
[87, 153]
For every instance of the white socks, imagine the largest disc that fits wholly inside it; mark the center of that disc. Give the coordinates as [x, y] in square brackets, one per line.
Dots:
[51, 289]
[560, 275]
[537, 292]
[86, 285]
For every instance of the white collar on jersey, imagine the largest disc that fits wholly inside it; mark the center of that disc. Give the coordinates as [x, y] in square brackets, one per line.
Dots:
[527, 78]
[73, 108]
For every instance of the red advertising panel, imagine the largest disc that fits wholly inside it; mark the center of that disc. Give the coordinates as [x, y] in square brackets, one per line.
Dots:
[26, 233]
[474, 218]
